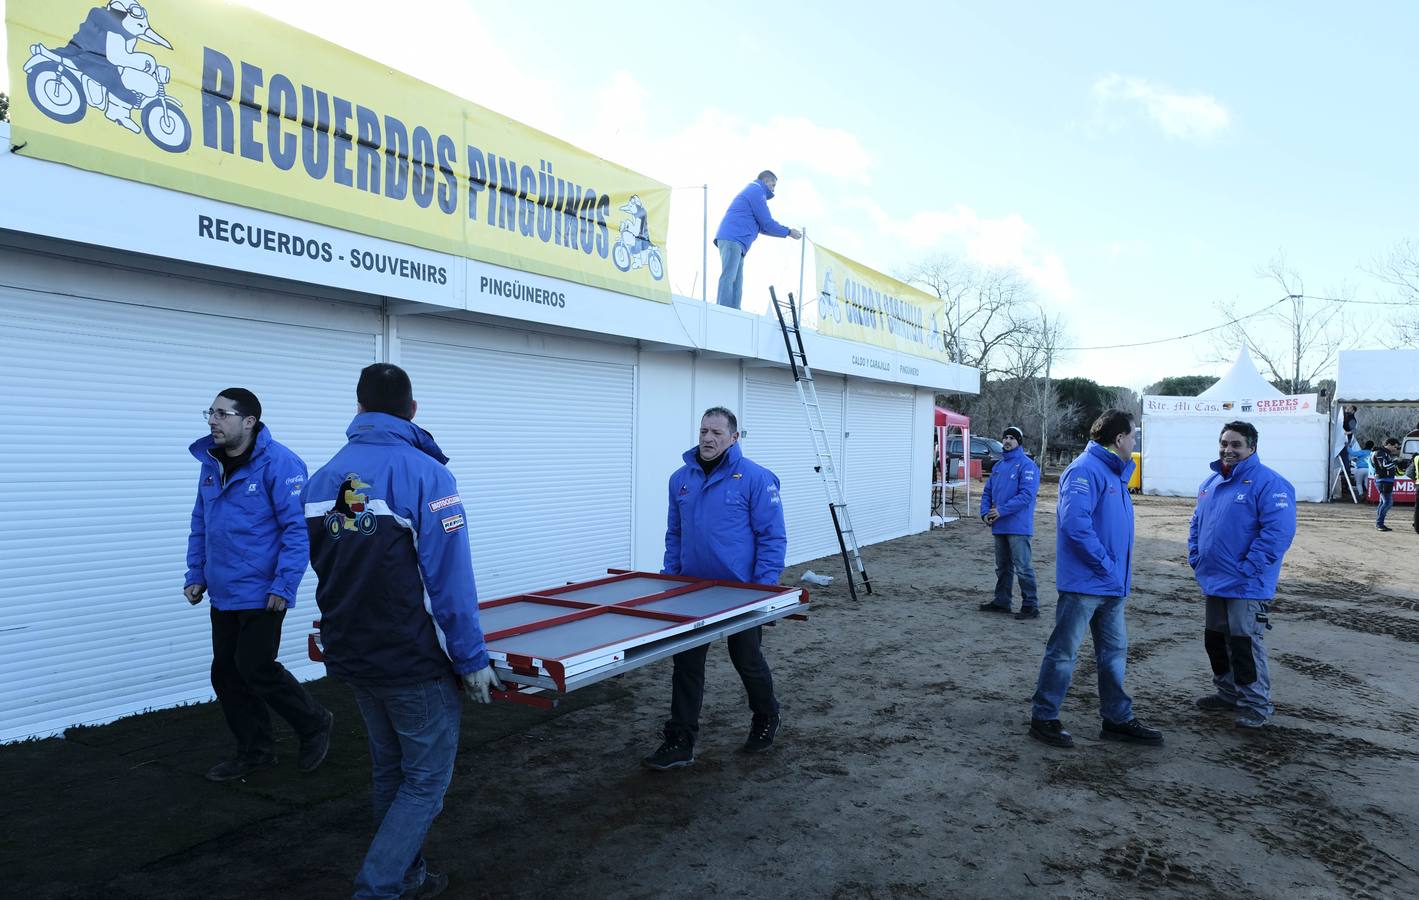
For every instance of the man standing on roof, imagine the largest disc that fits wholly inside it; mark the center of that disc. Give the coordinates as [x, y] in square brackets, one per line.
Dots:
[1007, 505]
[1244, 524]
[725, 522]
[247, 552]
[1093, 569]
[746, 219]
[399, 617]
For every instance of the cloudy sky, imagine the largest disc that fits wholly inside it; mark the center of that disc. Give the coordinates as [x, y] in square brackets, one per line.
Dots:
[1138, 163]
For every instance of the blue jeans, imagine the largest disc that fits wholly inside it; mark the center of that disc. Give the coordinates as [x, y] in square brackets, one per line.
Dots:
[1072, 614]
[731, 273]
[1386, 501]
[413, 738]
[1235, 629]
[1012, 557]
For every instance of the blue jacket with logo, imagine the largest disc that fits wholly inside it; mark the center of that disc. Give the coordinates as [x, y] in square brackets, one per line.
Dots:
[248, 536]
[728, 526]
[389, 544]
[1242, 527]
[1013, 484]
[748, 217]
[1094, 537]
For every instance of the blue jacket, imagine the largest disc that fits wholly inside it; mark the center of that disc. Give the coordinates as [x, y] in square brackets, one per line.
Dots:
[748, 217]
[1013, 484]
[728, 526]
[248, 536]
[389, 544]
[1094, 538]
[1241, 529]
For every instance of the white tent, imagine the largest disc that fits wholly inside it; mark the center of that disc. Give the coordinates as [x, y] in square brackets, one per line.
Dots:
[1180, 433]
[1378, 377]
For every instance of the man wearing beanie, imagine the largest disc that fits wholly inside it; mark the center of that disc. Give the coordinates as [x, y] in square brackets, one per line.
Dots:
[1007, 505]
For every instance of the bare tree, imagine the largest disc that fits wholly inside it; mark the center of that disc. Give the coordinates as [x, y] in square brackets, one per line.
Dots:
[1400, 270]
[1295, 342]
[989, 313]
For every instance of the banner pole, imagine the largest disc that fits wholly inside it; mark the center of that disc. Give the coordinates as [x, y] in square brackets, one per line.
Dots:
[704, 244]
[802, 254]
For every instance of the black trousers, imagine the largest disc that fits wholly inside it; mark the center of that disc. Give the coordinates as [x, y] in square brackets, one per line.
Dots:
[687, 684]
[250, 682]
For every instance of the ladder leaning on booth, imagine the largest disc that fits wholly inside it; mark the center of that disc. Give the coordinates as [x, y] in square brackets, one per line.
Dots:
[826, 467]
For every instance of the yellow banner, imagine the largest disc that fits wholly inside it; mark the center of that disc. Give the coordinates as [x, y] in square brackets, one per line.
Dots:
[861, 304]
[223, 102]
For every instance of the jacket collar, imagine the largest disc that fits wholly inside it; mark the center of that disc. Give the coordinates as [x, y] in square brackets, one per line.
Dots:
[1242, 468]
[731, 456]
[382, 428]
[1013, 454]
[1116, 463]
[202, 447]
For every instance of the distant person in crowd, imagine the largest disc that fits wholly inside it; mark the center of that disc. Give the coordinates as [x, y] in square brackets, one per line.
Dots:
[1348, 424]
[247, 553]
[1093, 563]
[1412, 473]
[399, 618]
[1007, 505]
[1386, 465]
[1244, 522]
[1361, 458]
[746, 219]
[725, 522]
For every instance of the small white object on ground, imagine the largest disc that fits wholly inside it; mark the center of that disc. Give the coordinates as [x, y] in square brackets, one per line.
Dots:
[814, 578]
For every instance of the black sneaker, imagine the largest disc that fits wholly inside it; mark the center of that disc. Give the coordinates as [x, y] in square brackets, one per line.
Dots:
[994, 607]
[1051, 732]
[314, 748]
[1132, 731]
[761, 734]
[240, 767]
[675, 751]
[1215, 703]
[1383, 528]
[434, 883]
[1028, 612]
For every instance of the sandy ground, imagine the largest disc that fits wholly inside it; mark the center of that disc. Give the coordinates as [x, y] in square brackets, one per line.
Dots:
[903, 768]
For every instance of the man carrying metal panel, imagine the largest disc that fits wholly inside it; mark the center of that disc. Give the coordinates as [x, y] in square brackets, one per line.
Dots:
[1244, 523]
[725, 522]
[1007, 505]
[399, 617]
[247, 552]
[1093, 570]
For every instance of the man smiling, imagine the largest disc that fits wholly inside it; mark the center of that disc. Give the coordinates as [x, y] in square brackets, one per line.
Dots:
[1244, 523]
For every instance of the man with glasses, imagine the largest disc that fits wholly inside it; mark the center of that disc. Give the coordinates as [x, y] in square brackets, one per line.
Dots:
[1007, 505]
[247, 552]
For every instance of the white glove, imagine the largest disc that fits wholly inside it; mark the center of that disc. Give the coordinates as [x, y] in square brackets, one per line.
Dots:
[480, 681]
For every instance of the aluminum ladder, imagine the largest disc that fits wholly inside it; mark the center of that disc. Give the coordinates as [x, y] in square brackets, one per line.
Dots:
[822, 449]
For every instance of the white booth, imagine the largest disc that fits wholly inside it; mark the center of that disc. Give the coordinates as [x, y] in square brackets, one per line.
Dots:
[1180, 433]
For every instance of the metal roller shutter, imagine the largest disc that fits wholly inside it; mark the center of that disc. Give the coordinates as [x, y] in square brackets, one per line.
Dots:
[879, 460]
[777, 438]
[101, 400]
[558, 507]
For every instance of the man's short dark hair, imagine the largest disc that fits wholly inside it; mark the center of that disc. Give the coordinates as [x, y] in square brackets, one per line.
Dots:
[767, 174]
[385, 388]
[1391, 440]
[243, 401]
[1245, 429]
[1110, 424]
[721, 411]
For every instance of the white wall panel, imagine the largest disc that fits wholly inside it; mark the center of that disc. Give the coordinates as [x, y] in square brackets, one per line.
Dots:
[880, 420]
[101, 400]
[542, 445]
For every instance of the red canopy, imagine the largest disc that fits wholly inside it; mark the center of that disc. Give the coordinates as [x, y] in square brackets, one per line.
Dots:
[945, 416]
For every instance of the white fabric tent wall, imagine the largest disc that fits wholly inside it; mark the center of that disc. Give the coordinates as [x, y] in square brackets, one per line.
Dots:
[1378, 377]
[1178, 449]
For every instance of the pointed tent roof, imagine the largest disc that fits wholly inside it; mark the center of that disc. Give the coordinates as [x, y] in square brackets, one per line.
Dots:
[1241, 381]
